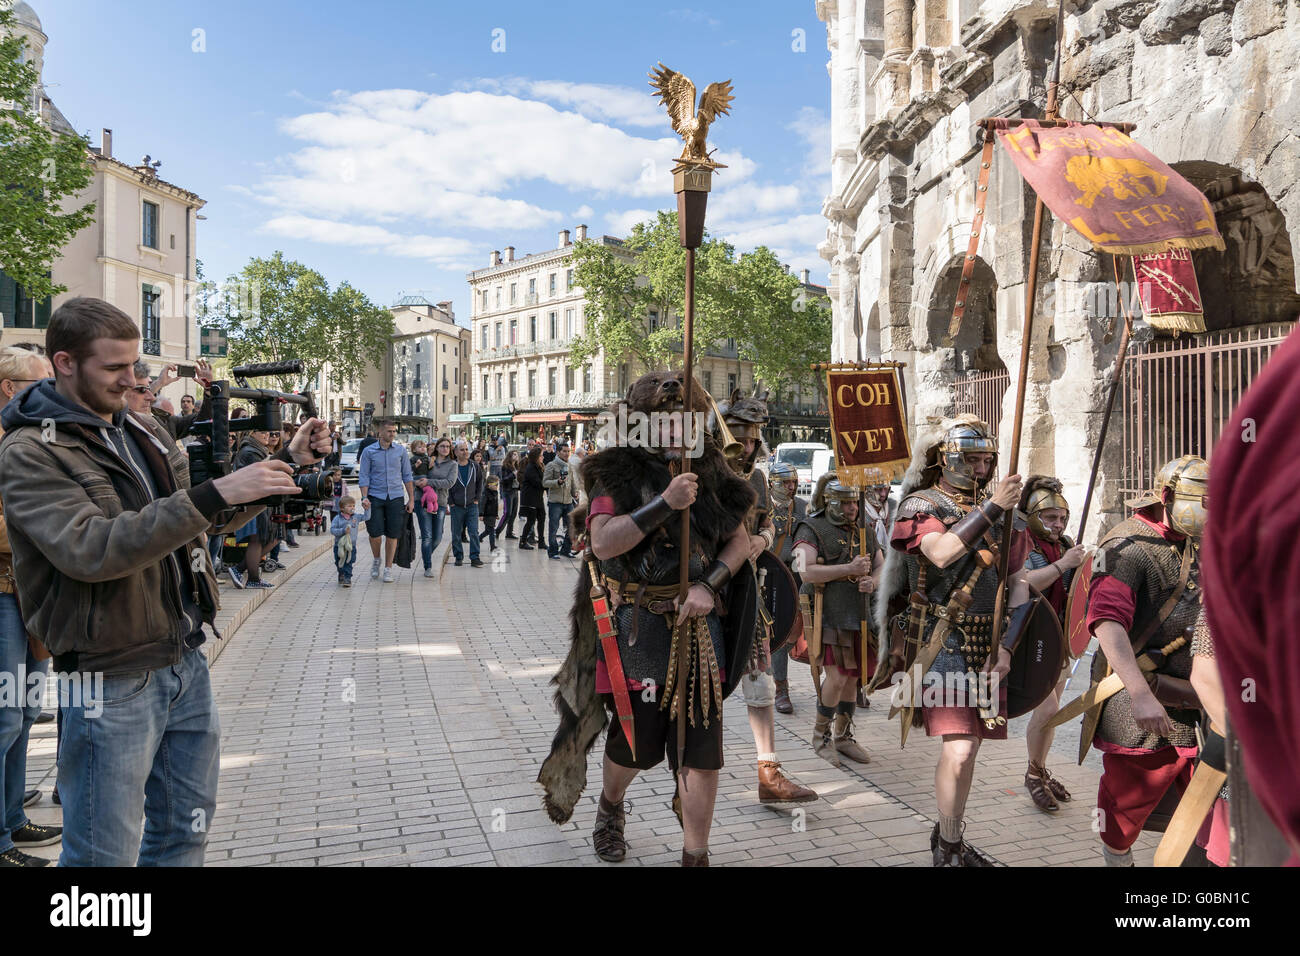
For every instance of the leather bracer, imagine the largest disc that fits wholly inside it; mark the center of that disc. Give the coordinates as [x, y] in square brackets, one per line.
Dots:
[976, 524]
[652, 514]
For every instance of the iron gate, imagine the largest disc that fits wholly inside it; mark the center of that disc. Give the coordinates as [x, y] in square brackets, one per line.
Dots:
[1177, 394]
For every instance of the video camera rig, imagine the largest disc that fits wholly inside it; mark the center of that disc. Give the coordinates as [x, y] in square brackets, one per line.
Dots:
[315, 484]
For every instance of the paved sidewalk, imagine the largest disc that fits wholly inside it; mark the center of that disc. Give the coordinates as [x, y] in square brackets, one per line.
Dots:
[404, 723]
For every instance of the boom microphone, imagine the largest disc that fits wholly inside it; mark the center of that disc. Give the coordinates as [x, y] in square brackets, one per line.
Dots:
[258, 369]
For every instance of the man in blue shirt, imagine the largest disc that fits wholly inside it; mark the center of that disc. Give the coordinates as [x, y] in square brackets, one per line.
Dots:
[385, 472]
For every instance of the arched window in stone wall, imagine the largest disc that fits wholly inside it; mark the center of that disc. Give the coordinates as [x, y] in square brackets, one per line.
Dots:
[975, 348]
[1251, 282]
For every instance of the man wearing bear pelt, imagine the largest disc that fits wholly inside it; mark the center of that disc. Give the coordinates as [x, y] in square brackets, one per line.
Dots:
[633, 531]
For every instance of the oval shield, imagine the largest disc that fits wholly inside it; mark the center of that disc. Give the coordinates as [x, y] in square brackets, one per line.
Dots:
[1076, 610]
[781, 597]
[1038, 660]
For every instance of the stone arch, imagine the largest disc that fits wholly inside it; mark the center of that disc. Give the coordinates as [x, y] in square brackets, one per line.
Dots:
[1253, 280]
[975, 346]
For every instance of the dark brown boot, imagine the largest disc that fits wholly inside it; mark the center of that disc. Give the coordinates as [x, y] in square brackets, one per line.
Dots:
[695, 859]
[783, 704]
[775, 787]
[607, 835]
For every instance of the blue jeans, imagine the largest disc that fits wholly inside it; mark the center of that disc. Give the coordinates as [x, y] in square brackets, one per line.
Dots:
[439, 527]
[462, 518]
[148, 747]
[345, 567]
[16, 715]
[559, 522]
[425, 520]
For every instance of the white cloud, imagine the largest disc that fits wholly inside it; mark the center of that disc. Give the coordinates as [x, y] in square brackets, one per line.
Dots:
[793, 240]
[444, 251]
[619, 224]
[747, 199]
[602, 101]
[583, 212]
[814, 127]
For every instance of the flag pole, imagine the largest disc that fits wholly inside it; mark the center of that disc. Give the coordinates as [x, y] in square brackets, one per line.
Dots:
[1026, 335]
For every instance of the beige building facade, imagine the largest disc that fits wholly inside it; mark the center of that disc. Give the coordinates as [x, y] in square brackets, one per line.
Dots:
[138, 254]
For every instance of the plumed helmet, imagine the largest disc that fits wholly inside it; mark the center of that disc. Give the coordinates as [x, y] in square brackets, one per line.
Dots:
[1185, 495]
[961, 439]
[782, 471]
[818, 501]
[1042, 493]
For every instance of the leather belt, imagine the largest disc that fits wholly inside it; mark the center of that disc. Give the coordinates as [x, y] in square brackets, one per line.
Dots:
[977, 225]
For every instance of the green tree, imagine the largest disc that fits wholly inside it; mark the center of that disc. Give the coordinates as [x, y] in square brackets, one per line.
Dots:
[753, 300]
[40, 171]
[277, 309]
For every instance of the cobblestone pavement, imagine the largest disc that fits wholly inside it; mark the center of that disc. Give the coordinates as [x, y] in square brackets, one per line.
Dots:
[404, 723]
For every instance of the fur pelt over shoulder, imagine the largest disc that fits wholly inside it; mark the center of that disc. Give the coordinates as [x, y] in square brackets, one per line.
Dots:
[631, 476]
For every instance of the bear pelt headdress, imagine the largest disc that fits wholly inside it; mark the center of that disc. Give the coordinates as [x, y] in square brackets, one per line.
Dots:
[631, 476]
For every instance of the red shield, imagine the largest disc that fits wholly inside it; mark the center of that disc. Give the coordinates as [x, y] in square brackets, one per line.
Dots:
[1076, 609]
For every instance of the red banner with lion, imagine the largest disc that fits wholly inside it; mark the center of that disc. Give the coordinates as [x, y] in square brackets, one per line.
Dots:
[1115, 193]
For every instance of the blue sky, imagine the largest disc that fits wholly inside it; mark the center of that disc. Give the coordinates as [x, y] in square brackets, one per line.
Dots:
[389, 145]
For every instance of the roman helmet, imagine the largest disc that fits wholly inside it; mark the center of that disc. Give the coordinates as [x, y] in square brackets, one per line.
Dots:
[745, 417]
[963, 438]
[836, 495]
[1184, 494]
[1152, 496]
[778, 475]
[1040, 494]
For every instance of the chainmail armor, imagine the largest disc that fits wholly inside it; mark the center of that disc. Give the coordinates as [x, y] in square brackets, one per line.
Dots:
[1137, 556]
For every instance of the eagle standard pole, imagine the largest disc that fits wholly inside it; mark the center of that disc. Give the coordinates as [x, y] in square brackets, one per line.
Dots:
[688, 356]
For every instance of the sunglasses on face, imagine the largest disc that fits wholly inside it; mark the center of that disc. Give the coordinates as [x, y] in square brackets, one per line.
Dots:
[142, 389]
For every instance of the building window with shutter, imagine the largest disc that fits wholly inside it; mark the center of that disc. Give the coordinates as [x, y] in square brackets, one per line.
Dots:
[532, 383]
[514, 384]
[568, 280]
[485, 331]
[149, 225]
[708, 382]
[552, 284]
[586, 378]
[150, 330]
[555, 325]
[568, 323]
[513, 288]
[532, 328]
[514, 331]
[551, 377]
[498, 335]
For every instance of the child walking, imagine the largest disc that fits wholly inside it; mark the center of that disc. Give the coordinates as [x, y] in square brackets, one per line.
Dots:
[491, 511]
[344, 528]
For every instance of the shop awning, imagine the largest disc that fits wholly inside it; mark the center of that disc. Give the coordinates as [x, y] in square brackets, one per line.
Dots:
[495, 418]
[540, 417]
[460, 419]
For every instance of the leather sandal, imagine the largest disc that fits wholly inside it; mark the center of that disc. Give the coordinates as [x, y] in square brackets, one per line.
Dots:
[1036, 782]
[607, 834]
[1054, 785]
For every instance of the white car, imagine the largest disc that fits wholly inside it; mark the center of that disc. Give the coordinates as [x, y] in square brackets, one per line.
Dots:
[810, 459]
[348, 458]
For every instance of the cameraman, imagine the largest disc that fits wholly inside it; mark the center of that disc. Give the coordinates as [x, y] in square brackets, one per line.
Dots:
[108, 553]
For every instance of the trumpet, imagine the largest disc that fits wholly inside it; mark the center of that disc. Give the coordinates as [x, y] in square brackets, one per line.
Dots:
[732, 450]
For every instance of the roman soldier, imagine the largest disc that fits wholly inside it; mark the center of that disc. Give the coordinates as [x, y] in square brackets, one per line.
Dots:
[946, 538]
[836, 569]
[1049, 569]
[787, 511]
[745, 418]
[637, 651]
[1143, 603]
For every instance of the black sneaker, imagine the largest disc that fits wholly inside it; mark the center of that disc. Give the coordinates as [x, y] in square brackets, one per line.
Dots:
[459, 562]
[30, 797]
[475, 563]
[16, 857]
[55, 798]
[33, 834]
[45, 717]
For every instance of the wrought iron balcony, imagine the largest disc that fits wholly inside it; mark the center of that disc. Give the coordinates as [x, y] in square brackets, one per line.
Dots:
[151, 346]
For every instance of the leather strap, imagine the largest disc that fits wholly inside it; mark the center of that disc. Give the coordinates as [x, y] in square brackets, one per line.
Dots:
[977, 226]
[1168, 607]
